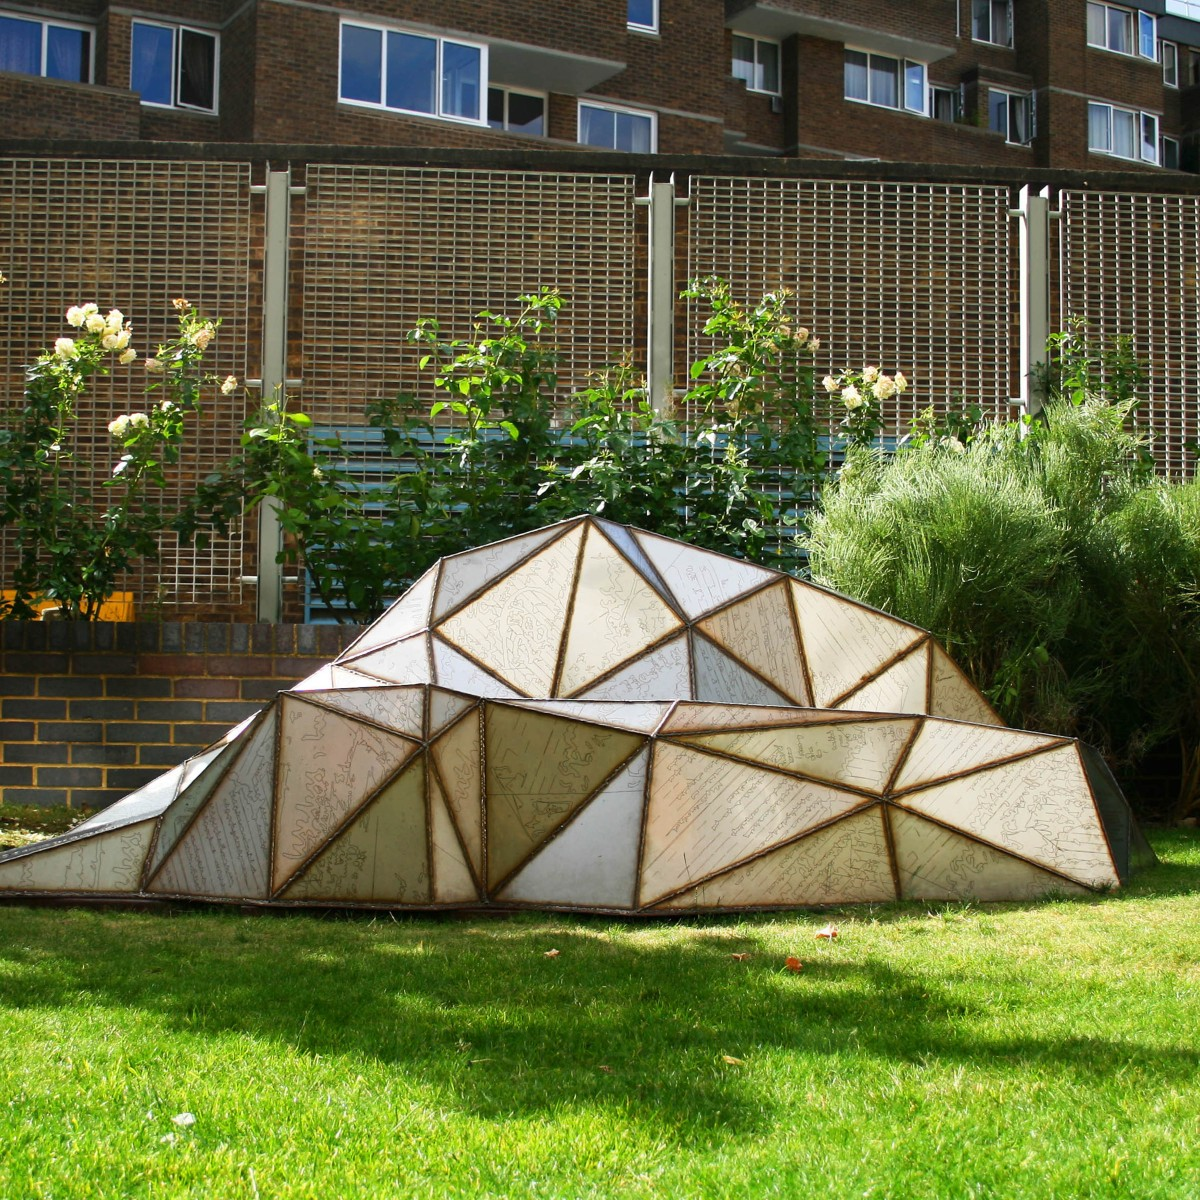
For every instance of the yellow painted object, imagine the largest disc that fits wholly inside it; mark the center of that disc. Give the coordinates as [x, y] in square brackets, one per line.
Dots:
[118, 607]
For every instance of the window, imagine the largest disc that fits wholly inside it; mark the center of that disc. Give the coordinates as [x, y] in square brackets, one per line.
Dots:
[1184, 8]
[48, 48]
[944, 104]
[412, 73]
[173, 66]
[518, 112]
[1123, 133]
[886, 82]
[1168, 153]
[756, 64]
[1168, 53]
[1011, 114]
[1116, 29]
[611, 128]
[643, 14]
[991, 21]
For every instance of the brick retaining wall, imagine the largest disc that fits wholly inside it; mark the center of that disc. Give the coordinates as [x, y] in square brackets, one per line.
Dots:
[89, 711]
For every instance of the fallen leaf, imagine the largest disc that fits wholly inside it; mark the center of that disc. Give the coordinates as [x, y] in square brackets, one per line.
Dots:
[606, 1070]
[183, 1120]
[553, 953]
[736, 1062]
[830, 931]
[793, 964]
[739, 957]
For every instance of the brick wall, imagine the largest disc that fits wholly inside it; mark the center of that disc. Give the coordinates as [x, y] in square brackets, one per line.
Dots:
[49, 108]
[89, 712]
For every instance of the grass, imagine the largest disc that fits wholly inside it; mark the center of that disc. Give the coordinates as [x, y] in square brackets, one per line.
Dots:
[1037, 1050]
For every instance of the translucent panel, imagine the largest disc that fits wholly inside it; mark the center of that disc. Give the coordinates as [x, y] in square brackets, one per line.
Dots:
[462, 575]
[1129, 847]
[661, 674]
[623, 539]
[720, 679]
[147, 801]
[515, 627]
[319, 680]
[945, 748]
[452, 670]
[106, 863]
[903, 687]
[760, 632]
[616, 614]
[644, 718]
[382, 857]
[702, 717]
[329, 766]
[452, 878]
[593, 862]
[1039, 808]
[953, 694]
[699, 579]
[445, 707]
[936, 864]
[540, 769]
[401, 662]
[196, 789]
[708, 813]
[409, 615]
[152, 63]
[457, 761]
[846, 863]
[224, 852]
[399, 708]
[845, 642]
[362, 64]
[862, 754]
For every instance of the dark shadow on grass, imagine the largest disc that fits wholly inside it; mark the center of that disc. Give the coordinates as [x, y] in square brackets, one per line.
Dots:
[478, 1010]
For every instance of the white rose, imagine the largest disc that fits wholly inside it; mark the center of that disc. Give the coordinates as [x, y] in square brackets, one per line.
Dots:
[851, 396]
[75, 316]
[901, 384]
[154, 366]
[127, 357]
[109, 341]
[870, 374]
[95, 323]
[883, 388]
[167, 406]
[830, 384]
[814, 344]
[120, 427]
[139, 420]
[229, 385]
[115, 319]
[65, 348]
[202, 337]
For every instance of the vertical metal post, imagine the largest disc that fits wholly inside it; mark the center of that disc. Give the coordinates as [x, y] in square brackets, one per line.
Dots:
[660, 339]
[1033, 212]
[274, 377]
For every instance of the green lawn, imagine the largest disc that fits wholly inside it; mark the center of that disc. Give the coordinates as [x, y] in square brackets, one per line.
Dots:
[1045, 1050]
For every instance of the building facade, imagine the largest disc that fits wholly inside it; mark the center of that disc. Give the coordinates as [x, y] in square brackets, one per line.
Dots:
[1072, 84]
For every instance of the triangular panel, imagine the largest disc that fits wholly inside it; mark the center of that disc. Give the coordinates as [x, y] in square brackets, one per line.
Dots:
[946, 748]
[516, 625]
[936, 864]
[149, 801]
[102, 863]
[381, 857]
[334, 676]
[845, 642]
[224, 853]
[845, 863]
[329, 765]
[954, 695]
[400, 662]
[540, 769]
[661, 674]
[1038, 807]
[452, 879]
[616, 614]
[408, 615]
[398, 708]
[761, 633]
[445, 707]
[862, 754]
[721, 680]
[622, 537]
[453, 670]
[639, 717]
[593, 862]
[699, 579]
[697, 717]
[465, 574]
[902, 688]
[707, 813]
[456, 755]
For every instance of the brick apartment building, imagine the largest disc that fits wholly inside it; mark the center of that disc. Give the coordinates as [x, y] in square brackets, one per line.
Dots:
[1048, 83]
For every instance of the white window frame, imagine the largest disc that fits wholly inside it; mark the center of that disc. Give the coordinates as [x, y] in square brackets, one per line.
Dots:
[1142, 26]
[751, 85]
[53, 22]
[902, 68]
[990, 40]
[1168, 53]
[1140, 121]
[637, 25]
[1163, 141]
[544, 97]
[1009, 97]
[617, 109]
[947, 90]
[383, 106]
[176, 31]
